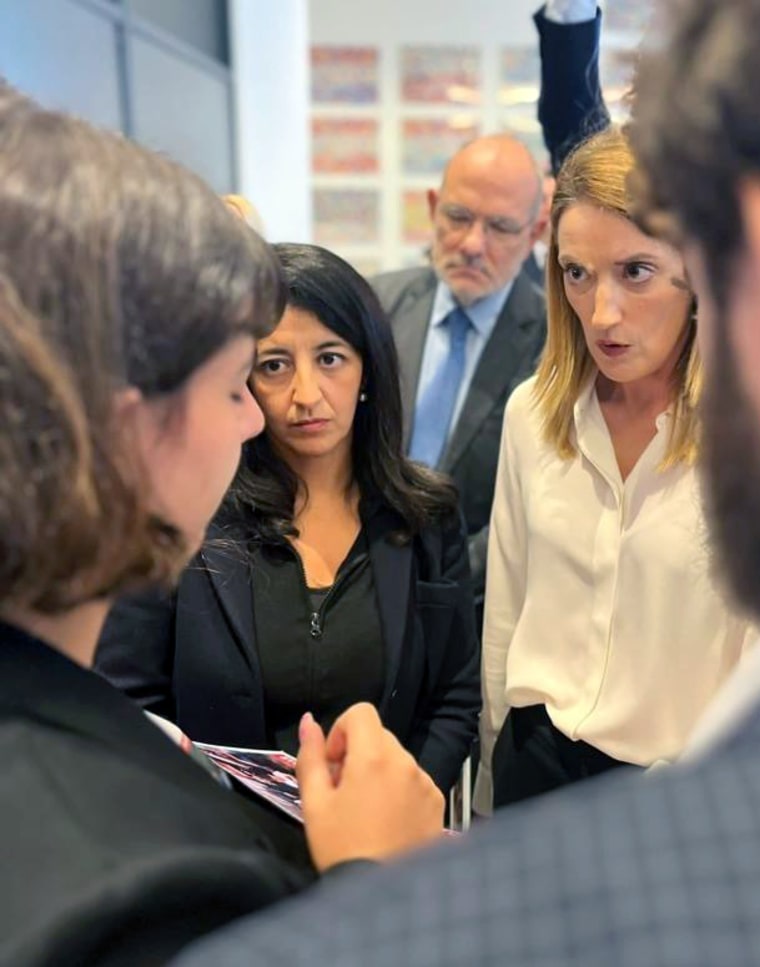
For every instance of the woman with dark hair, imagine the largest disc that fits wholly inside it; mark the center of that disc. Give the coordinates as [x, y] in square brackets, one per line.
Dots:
[337, 570]
[130, 303]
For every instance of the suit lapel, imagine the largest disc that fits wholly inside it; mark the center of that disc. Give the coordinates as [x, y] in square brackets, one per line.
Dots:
[392, 574]
[497, 368]
[410, 325]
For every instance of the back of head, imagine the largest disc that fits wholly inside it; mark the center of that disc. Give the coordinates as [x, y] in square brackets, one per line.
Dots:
[117, 268]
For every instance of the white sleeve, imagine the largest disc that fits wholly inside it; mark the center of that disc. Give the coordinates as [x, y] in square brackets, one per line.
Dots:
[570, 11]
[505, 592]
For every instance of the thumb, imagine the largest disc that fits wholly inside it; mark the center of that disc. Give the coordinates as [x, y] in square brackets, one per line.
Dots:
[312, 764]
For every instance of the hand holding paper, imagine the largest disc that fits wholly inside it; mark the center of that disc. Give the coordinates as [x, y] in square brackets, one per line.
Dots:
[363, 796]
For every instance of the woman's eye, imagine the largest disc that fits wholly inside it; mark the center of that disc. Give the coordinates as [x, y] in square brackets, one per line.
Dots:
[270, 367]
[574, 273]
[639, 271]
[330, 359]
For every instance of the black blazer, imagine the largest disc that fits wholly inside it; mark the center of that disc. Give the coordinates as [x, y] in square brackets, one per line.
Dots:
[117, 849]
[192, 657]
[509, 357]
[619, 870]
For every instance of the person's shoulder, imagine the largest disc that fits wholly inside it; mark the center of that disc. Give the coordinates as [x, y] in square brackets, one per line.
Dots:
[530, 296]
[522, 420]
[521, 405]
[390, 285]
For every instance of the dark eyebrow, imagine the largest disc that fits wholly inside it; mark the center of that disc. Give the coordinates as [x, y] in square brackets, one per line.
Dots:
[282, 351]
[272, 351]
[332, 344]
[638, 257]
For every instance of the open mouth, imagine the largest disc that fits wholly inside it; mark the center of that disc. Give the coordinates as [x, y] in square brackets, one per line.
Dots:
[610, 348]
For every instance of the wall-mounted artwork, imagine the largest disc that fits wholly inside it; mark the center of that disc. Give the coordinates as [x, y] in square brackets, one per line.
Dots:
[344, 145]
[428, 143]
[415, 218]
[519, 76]
[440, 75]
[344, 75]
[343, 215]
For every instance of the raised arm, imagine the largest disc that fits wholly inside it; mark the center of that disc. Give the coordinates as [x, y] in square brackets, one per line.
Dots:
[571, 106]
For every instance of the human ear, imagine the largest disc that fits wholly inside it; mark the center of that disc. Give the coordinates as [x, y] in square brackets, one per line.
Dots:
[133, 421]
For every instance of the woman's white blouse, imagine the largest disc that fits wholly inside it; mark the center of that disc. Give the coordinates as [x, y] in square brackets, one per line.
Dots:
[601, 601]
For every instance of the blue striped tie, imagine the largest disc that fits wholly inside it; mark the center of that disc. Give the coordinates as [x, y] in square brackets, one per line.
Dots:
[432, 417]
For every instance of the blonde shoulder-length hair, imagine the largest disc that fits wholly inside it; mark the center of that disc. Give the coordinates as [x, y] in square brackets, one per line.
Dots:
[598, 172]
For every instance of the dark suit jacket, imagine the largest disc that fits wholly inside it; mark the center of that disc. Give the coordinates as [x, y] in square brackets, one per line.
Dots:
[660, 870]
[117, 849]
[509, 357]
[571, 107]
[192, 657]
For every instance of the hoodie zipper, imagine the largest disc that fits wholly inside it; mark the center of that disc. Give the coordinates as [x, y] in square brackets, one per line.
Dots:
[317, 618]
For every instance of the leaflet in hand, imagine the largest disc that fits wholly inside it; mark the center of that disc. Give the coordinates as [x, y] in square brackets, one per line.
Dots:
[271, 775]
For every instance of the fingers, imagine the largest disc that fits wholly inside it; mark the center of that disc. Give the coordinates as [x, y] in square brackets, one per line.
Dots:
[312, 765]
[361, 722]
[379, 804]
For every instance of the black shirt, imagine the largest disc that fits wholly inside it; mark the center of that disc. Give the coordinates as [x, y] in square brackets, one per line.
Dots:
[320, 649]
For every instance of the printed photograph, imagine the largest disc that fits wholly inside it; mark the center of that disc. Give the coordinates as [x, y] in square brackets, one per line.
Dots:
[520, 76]
[440, 75]
[428, 143]
[415, 218]
[271, 775]
[344, 146]
[344, 75]
[343, 215]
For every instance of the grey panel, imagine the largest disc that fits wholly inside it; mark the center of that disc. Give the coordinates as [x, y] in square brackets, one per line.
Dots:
[64, 55]
[180, 109]
[200, 23]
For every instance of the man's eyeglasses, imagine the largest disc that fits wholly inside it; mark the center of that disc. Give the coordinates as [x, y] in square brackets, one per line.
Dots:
[458, 219]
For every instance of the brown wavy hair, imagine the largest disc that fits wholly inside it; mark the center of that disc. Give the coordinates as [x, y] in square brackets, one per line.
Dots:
[118, 268]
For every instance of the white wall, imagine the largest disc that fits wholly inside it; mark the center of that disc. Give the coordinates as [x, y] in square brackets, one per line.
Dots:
[489, 25]
[270, 63]
[422, 21]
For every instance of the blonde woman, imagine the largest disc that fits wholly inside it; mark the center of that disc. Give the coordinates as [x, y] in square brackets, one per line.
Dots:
[606, 632]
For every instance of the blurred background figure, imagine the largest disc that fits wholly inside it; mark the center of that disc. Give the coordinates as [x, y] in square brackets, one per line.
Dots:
[247, 211]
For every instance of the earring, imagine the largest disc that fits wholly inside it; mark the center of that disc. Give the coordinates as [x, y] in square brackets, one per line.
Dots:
[363, 396]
